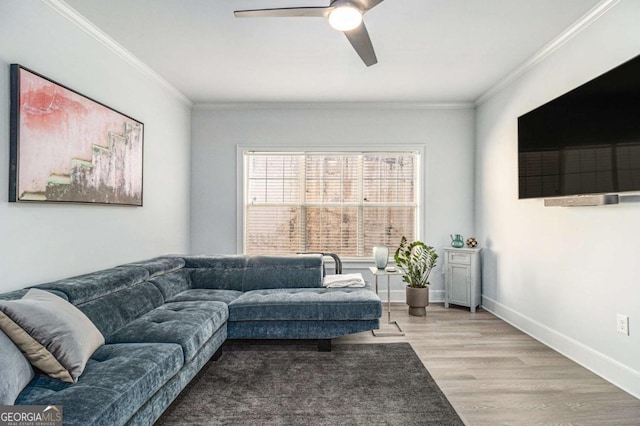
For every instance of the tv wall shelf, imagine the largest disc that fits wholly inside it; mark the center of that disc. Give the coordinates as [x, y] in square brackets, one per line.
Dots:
[582, 200]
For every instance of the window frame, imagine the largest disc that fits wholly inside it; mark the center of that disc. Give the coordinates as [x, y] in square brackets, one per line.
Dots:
[241, 176]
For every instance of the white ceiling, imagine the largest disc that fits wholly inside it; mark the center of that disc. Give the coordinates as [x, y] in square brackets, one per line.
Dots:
[436, 51]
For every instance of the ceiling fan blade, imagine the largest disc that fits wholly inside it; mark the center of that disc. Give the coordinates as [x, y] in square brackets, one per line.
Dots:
[363, 5]
[286, 12]
[370, 4]
[360, 40]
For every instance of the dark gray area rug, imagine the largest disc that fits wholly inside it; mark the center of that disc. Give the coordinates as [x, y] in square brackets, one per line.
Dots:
[293, 384]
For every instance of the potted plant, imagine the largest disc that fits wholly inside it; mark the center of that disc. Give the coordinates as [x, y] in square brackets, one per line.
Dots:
[416, 260]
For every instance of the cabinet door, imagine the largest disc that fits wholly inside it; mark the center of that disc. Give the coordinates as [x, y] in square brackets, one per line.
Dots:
[459, 284]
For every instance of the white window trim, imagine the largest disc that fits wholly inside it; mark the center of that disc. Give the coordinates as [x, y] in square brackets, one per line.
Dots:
[240, 182]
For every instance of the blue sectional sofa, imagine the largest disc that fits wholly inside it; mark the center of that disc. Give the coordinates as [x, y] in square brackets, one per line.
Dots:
[164, 318]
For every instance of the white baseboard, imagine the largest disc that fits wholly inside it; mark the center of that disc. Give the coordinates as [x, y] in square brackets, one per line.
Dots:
[609, 369]
[436, 296]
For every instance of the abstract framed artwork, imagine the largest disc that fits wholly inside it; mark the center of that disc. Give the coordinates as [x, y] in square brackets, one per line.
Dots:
[66, 147]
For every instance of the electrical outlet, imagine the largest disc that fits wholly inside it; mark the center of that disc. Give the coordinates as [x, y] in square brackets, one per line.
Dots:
[622, 324]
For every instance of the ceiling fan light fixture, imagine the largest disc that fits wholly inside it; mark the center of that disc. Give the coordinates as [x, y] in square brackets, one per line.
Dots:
[345, 18]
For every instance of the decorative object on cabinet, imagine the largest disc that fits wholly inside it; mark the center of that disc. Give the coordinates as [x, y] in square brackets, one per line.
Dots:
[462, 283]
[456, 241]
[416, 260]
[66, 147]
[472, 242]
[381, 256]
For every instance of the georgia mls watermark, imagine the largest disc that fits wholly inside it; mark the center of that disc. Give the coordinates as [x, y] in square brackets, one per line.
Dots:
[30, 415]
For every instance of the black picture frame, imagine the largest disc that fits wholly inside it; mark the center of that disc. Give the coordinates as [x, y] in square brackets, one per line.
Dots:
[66, 147]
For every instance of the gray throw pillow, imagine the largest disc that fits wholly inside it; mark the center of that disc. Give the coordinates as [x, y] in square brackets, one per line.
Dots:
[15, 371]
[55, 336]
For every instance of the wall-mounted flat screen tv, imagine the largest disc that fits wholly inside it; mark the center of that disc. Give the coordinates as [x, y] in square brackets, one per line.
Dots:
[586, 141]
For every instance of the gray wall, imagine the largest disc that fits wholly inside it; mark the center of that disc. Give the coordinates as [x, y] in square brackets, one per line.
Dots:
[561, 274]
[41, 242]
[446, 133]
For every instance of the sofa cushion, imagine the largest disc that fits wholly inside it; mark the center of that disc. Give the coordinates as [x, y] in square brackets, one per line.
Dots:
[159, 265]
[226, 296]
[306, 304]
[115, 310]
[117, 381]
[245, 273]
[189, 324]
[294, 271]
[91, 286]
[15, 371]
[173, 283]
[54, 335]
[218, 272]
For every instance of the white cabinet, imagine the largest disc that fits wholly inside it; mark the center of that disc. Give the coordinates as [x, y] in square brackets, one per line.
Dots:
[462, 277]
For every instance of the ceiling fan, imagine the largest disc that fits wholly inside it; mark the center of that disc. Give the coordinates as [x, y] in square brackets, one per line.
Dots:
[343, 15]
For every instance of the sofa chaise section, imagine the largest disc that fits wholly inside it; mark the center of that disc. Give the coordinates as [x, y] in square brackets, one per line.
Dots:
[306, 313]
[279, 297]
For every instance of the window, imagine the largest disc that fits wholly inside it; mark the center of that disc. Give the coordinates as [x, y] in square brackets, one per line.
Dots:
[341, 202]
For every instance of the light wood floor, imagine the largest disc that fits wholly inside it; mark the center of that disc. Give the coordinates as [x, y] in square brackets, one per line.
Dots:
[493, 374]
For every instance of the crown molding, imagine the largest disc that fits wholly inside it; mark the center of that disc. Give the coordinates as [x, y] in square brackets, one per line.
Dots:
[81, 22]
[84, 24]
[589, 18]
[334, 106]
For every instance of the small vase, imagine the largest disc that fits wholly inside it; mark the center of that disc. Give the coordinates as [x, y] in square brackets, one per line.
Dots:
[381, 256]
[457, 241]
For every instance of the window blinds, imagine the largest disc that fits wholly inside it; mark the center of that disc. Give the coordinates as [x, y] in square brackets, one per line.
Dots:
[341, 202]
